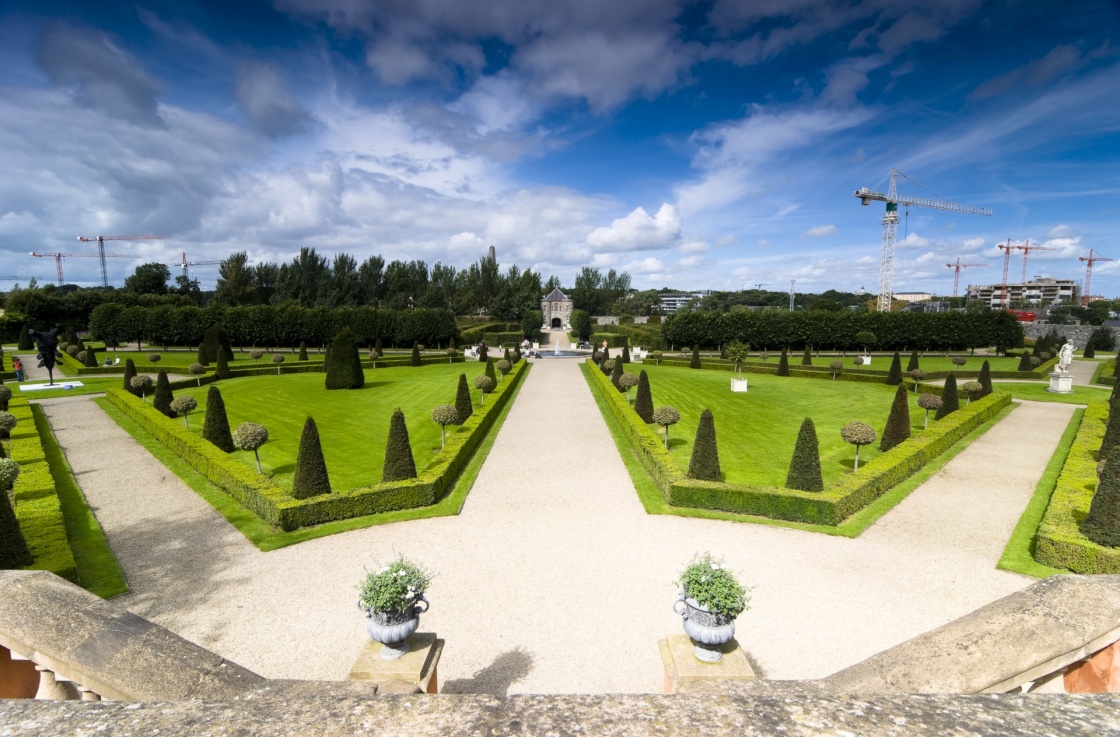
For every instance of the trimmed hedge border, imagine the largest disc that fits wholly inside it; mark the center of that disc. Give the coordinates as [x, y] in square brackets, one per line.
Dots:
[852, 373]
[38, 508]
[269, 502]
[1059, 542]
[829, 507]
[70, 367]
[1103, 374]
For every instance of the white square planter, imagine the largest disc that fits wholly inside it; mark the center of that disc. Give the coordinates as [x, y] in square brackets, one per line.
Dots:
[866, 360]
[738, 385]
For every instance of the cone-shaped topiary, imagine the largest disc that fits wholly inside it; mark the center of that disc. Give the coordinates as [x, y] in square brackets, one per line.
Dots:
[463, 400]
[694, 362]
[129, 373]
[377, 347]
[490, 372]
[415, 360]
[482, 353]
[626, 351]
[1111, 430]
[201, 358]
[898, 421]
[345, 368]
[215, 427]
[643, 399]
[1025, 362]
[1090, 349]
[222, 371]
[302, 351]
[913, 364]
[212, 341]
[807, 356]
[783, 363]
[616, 373]
[1102, 524]
[310, 478]
[25, 343]
[950, 400]
[985, 379]
[506, 356]
[805, 466]
[704, 464]
[91, 357]
[894, 374]
[399, 465]
[327, 358]
[13, 547]
[1116, 367]
[163, 396]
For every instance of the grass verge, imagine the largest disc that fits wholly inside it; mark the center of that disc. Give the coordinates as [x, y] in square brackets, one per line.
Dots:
[1018, 556]
[1038, 393]
[266, 537]
[853, 526]
[98, 570]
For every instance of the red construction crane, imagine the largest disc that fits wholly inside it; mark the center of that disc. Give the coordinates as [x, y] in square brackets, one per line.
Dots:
[59, 256]
[957, 273]
[187, 264]
[1007, 249]
[1091, 259]
[100, 240]
[1026, 248]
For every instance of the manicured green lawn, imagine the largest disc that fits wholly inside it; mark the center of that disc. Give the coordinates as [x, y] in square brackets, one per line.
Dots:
[90, 385]
[756, 431]
[1036, 392]
[182, 358]
[353, 425]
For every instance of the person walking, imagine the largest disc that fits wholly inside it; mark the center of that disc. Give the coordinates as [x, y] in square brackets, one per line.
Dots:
[18, 366]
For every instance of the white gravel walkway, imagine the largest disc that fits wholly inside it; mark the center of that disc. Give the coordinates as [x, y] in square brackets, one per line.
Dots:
[553, 579]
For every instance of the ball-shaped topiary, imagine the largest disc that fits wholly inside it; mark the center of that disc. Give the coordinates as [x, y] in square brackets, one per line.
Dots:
[72, 351]
[704, 462]
[251, 436]
[310, 477]
[8, 423]
[184, 405]
[666, 416]
[198, 370]
[627, 382]
[278, 358]
[657, 356]
[858, 433]
[959, 360]
[929, 402]
[81, 357]
[444, 415]
[399, 464]
[451, 353]
[857, 360]
[836, 366]
[917, 375]
[972, 390]
[9, 472]
[484, 384]
[215, 427]
[141, 384]
[256, 354]
[805, 465]
[503, 366]
[154, 357]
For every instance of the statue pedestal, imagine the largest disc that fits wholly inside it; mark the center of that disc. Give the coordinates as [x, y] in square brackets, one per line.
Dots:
[1060, 383]
[414, 671]
[685, 674]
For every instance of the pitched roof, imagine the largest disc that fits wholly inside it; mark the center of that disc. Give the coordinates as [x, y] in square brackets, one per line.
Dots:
[556, 296]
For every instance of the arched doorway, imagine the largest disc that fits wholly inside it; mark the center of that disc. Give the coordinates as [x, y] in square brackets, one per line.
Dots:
[556, 323]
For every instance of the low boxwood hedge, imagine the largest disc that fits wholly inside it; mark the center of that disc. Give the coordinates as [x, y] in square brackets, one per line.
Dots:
[1103, 374]
[1059, 542]
[829, 507]
[851, 372]
[269, 502]
[37, 505]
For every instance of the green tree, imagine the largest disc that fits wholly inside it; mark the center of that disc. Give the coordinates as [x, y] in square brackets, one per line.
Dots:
[184, 405]
[311, 477]
[236, 283]
[399, 464]
[894, 375]
[805, 465]
[897, 428]
[1102, 524]
[666, 416]
[444, 415]
[345, 368]
[215, 427]
[463, 406]
[163, 396]
[950, 399]
[148, 278]
[643, 399]
[581, 324]
[704, 463]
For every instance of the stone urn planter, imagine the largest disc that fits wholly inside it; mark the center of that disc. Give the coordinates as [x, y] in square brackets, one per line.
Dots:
[393, 628]
[709, 632]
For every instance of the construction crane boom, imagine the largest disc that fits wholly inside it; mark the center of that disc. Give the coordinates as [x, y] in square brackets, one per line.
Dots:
[100, 240]
[957, 275]
[59, 256]
[1026, 248]
[1091, 259]
[890, 226]
[1007, 249]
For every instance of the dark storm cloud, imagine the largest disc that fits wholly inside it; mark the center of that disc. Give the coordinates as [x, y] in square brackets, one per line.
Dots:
[98, 73]
[267, 103]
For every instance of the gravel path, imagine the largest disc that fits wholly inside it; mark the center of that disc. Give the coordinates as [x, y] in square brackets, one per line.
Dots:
[553, 579]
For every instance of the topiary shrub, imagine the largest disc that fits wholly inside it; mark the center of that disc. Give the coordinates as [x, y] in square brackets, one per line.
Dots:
[222, 371]
[141, 384]
[1111, 437]
[704, 463]
[837, 366]
[9, 472]
[858, 433]
[626, 351]
[657, 356]
[377, 347]
[129, 375]
[972, 390]
[154, 357]
[415, 360]
[212, 342]
[626, 382]
[958, 361]
[489, 371]
[503, 367]
[913, 362]
[184, 405]
[311, 477]
[463, 406]
[484, 384]
[1090, 350]
[81, 357]
[399, 464]
[928, 402]
[91, 358]
[13, 547]
[201, 358]
[917, 375]
[616, 373]
[302, 351]
[345, 368]
[8, 423]
[807, 356]
[163, 395]
[950, 401]
[72, 350]
[25, 343]
[215, 427]
[278, 358]
[694, 362]
[1025, 362]
[985, 379]
[783, 363]
[251, 436]
[857, 360]
[643, 399]
[894, 374]
[482, 353]
[444, 415]
[805, 465]
[897, 428]
[451, 353]
[5, 397]
[1102, 523]
[666, 416]
[256, 354]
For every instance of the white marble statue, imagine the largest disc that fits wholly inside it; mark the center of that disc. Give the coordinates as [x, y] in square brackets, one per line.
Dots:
[1065, 358]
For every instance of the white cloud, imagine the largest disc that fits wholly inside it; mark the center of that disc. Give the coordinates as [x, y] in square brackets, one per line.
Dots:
[267, 103]
[694, 246]
[639, 231]
[690, 261]
[763, 242]
[644, 266]
[973, 243]
[819, 230]
[1061, 231]
[913, 240]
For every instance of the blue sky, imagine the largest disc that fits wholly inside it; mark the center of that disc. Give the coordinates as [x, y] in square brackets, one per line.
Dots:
[693, 144]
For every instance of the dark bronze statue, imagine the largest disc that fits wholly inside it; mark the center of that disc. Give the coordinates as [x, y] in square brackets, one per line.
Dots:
[47, 343]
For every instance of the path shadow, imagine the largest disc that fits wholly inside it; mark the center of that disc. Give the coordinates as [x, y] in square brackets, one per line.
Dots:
[496, 678]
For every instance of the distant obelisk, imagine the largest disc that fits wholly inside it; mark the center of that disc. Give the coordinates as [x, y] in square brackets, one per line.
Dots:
[492, 256]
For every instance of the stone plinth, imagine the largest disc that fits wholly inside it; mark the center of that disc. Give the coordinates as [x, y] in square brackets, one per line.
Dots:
[738, 385]
[685, 674]
[1060, 383]
[417, 667]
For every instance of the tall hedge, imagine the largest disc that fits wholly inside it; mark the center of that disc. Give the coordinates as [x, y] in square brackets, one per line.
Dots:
[399, 464]
[897, 428]
[161, 398]
[694, 362]
[894, 374]
[129, 373]
[783, 363]
[643, 400]
[805, 466]
[807, 357]
[215, 427]
[985, 379]
[311, 477]
[704, 463]
[13, 547]
[950, 399]
[345, 368]
[463, 405]
[1102, 524]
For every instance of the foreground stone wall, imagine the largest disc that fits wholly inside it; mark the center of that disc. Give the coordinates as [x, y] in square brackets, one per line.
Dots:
[1078, 334]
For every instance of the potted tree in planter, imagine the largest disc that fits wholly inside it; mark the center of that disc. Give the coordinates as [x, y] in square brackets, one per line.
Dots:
[866, 338]
[391, 598]
[737, 353]
[709, 601]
